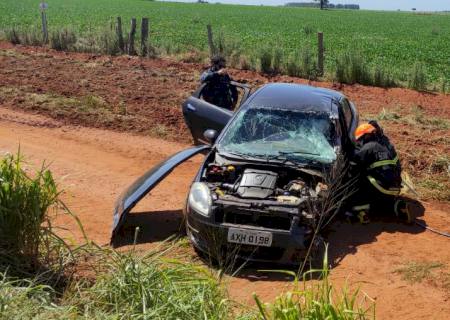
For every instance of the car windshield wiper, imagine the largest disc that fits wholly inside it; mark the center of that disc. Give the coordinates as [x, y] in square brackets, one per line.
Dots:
[298, 152]
[236, 154]
[287, 156]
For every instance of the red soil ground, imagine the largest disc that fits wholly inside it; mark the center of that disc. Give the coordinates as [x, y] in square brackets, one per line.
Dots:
[94, 165]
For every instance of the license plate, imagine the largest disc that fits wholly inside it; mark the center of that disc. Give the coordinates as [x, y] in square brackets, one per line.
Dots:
[254, 238]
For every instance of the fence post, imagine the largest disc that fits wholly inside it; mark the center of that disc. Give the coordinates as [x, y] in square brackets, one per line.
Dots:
[320, 57]
[44, 24]
[212, 49]
[144, 37]
[131, 50]
[120, 34]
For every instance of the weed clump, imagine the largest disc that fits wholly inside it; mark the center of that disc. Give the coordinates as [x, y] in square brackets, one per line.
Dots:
[351, 68]
[24, 212]
[30, 36]
[417, 78]
[63, 40]
[382, 78]
[265, 56]
[13, 35]
[108, 43]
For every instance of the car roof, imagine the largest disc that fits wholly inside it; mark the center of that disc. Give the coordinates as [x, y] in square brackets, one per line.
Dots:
[294, 96]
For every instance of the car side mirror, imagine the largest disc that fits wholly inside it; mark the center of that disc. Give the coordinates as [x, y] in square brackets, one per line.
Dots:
[210, 135]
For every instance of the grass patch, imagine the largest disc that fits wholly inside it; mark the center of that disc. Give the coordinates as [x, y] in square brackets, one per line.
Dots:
[30, 36]
[418, 117]
[159, 131]
[417, 272]
[12, 53]
[417, 79]
[435, 187]
[28, 201]
[351, 68]
[317, 301]
[387, 115]
[415, 117]
[93, 110]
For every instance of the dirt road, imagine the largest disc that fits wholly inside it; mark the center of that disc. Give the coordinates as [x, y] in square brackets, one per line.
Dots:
[93, 166]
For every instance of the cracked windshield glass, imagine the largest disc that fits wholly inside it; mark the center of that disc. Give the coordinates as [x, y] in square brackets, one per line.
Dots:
[277, 134]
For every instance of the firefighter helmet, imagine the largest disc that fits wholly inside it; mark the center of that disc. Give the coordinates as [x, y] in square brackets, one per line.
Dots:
[363, 129]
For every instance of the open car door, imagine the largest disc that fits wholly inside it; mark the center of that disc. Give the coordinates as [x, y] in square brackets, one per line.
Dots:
[200, 115]
[143, 185]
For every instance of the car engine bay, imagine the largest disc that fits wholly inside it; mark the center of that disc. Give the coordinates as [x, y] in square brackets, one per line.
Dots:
[275, 197]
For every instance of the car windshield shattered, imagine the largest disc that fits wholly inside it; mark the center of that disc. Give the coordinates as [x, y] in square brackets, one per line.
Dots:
[281, 134]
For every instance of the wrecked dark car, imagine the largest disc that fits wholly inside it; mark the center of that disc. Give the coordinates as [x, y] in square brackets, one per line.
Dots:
[264, 165]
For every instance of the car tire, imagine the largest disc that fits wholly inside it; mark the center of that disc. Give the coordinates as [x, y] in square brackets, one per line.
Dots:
[316, 259]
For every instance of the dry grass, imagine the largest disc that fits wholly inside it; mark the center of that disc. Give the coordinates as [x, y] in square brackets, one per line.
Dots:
[159, 131]
[90, 109]
[428, 166]
[431, 272]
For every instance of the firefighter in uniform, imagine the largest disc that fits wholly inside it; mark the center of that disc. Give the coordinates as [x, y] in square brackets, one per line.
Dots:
[218, 90]
[380, 175]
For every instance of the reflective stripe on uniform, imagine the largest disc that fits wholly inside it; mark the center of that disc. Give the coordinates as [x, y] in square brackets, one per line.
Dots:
[391, 192]
[381, 163]
[361, 207]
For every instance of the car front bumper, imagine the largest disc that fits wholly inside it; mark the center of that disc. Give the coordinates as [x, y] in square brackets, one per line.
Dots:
[288, 246]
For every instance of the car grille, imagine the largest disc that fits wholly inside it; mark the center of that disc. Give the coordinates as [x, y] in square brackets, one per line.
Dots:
[255, 219]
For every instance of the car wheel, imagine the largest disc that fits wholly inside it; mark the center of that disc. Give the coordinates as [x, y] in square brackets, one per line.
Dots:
[317, 255]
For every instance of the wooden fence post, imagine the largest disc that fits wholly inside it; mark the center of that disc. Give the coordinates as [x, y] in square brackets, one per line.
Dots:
[144, 37]
[131, 50]
[320, 57]
[120, 34]
[44, 26]
[212, 49]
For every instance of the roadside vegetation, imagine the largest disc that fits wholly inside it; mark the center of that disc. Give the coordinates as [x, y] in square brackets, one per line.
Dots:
[42, 277]
[364, 47]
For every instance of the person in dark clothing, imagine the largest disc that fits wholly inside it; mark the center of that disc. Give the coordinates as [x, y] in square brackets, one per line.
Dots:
[218, 90]
[380, 174]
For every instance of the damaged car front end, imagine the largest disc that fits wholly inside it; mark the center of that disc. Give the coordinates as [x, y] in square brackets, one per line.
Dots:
[265, 172]
[259, 183]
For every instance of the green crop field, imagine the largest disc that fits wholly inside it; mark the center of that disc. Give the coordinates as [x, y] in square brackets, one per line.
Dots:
[394, 40]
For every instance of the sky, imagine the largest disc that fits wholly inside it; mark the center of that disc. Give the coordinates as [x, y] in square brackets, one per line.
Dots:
[420, 5]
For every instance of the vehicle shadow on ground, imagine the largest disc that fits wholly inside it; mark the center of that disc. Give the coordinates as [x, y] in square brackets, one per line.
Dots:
[343, 238]
[153, 226]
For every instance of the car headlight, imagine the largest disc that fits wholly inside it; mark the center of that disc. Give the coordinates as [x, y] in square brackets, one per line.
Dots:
[200, 198]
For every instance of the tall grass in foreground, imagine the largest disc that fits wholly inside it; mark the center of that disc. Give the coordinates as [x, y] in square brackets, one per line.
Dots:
[27, 242]
[122, 286]
[152, 287]
[317, 301]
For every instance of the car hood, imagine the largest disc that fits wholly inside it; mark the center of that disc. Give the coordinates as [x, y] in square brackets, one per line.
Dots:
[144, 184]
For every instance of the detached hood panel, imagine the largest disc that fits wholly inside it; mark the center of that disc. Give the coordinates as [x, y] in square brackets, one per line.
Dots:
[143, 185]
